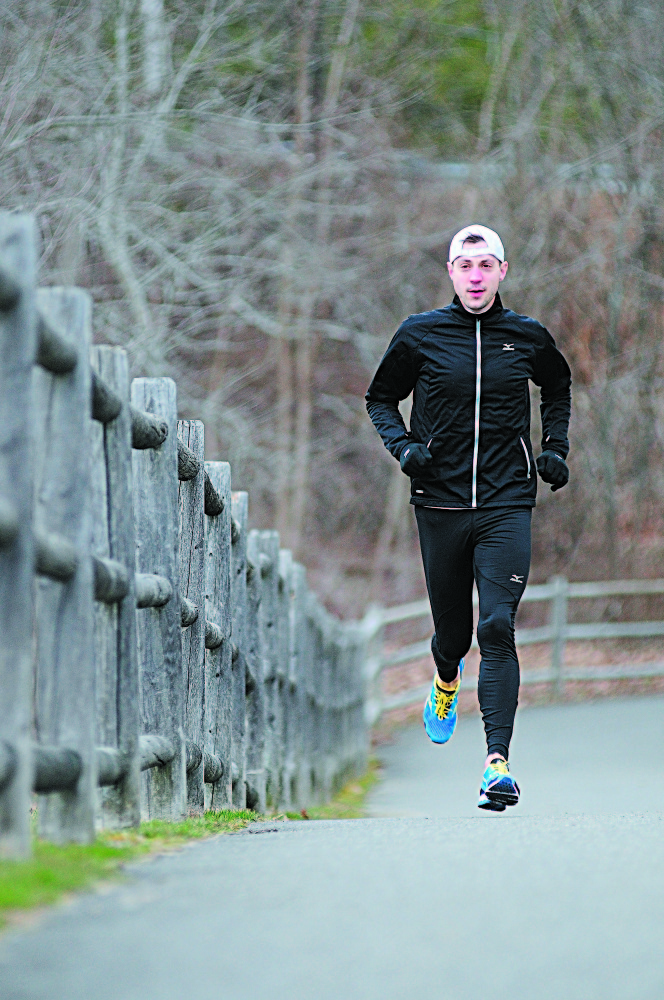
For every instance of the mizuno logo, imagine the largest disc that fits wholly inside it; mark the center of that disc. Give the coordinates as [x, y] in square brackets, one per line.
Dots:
[516, 579]
[508, 347]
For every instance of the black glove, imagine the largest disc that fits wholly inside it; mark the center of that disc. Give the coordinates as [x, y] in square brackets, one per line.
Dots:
[553, 469]
[414, 459]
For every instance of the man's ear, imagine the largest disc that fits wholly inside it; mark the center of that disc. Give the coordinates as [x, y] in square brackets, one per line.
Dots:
[450, 268]
[503, 270]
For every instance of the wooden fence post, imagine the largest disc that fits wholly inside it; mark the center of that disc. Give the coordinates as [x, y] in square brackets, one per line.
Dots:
[64, 612]
[117, 679]
[327, 707]
[18, 348]
[301, 776]
[268, 543]
[559, 629]
[361, 730]
[311, 707]
[255, 682]
[343, 700]
[373, 630]
[156, 519]
[218, 662]
[316, 697]
[192, 587]
[281, 681]
[333, 707]
[239, 510]
[288, 682]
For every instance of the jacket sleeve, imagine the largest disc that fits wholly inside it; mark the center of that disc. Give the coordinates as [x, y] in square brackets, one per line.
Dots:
[394, 380]
[553, 375]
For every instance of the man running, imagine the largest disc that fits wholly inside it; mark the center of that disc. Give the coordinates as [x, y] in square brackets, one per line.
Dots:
[469, 457]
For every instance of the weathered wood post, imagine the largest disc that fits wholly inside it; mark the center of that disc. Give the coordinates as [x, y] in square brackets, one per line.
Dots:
[64, 712]
[288, 681]
[156, 520]
[268, 545]
[300, 666]
[373, 631]
[315, 698]
[324, 686]
[333, 734]
[281, 681]
[115, 619]
[257, 564]
[354, 742]
[218, 661]
[192, 587]
[310, 708]
[239, 510]
[18, 348]
[340, 699]
[361, 733]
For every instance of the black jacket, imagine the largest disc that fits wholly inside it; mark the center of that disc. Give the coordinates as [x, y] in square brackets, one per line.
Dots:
[471, 403]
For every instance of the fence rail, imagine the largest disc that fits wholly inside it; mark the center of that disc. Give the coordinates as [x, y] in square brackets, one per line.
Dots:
[158, 657]
[558, 591]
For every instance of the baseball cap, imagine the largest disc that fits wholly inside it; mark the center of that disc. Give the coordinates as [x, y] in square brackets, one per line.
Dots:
[494, 245]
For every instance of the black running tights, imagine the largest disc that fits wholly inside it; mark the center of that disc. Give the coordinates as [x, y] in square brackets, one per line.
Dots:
[492, 547]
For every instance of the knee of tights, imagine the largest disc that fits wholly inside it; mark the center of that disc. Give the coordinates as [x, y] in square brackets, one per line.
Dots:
[496, 629]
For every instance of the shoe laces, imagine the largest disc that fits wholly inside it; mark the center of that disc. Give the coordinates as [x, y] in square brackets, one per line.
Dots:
[443, 701]
[500, 766]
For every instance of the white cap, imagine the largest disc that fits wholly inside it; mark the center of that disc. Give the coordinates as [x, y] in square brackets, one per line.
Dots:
[494, 245]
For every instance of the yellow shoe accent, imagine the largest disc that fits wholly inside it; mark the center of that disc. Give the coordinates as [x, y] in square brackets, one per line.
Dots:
[500, 766]
[444, 698]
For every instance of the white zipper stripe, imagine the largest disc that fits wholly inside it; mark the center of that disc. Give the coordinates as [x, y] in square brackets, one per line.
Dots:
[525, 450]
[478, 386]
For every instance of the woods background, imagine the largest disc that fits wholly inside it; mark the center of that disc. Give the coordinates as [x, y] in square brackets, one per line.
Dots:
[257, 193]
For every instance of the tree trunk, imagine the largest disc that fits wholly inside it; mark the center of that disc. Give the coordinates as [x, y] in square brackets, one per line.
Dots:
[154, 45]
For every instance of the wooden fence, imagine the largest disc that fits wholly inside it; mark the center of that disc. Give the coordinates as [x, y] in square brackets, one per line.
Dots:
[157, 658]
[558, 592]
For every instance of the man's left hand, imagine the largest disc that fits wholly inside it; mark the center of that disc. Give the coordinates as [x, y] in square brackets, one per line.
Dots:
[553, 469]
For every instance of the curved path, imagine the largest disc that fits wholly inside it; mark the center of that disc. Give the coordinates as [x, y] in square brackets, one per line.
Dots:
[561, 898]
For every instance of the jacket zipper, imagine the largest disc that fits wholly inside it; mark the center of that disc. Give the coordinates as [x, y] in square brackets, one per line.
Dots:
[525, 451]
[478, 385]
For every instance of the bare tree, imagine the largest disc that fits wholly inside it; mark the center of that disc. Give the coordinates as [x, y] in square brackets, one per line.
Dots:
[231, 180]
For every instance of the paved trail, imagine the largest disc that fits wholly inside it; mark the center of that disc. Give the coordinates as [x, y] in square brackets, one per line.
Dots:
[559, 899]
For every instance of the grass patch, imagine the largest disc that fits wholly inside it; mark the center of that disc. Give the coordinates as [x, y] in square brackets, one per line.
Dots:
[157, 833]
[349, 803]
[54, 870]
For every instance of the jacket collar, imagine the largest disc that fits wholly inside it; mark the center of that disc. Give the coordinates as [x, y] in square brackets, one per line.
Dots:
[469, 318]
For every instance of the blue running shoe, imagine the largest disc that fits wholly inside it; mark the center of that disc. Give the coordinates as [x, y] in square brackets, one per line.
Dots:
[440, 710]
[498, 785]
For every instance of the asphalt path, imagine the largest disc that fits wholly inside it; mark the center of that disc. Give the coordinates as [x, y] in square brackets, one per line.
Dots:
[561, 897]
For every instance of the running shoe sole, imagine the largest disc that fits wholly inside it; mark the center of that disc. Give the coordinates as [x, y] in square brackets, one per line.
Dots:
[485, 803]
[504, 792]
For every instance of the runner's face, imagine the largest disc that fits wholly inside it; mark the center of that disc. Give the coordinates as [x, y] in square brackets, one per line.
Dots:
[476, 280]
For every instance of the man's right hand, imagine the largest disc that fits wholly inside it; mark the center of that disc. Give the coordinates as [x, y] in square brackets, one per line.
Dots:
[414, 459]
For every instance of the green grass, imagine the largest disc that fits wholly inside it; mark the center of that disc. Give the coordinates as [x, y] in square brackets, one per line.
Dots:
[349, 802]
[54, 870]
[224, 821]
